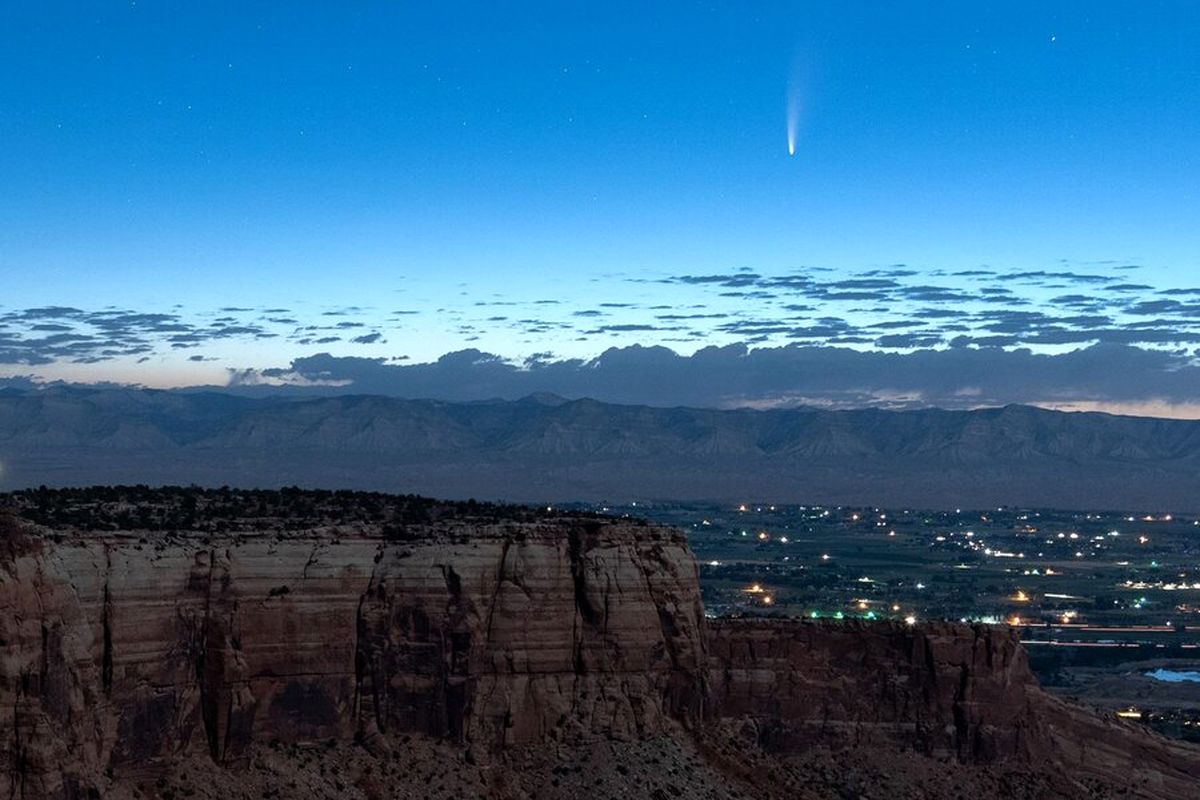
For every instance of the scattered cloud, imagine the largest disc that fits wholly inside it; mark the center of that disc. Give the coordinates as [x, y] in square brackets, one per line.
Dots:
[368, 338]
[882, 335]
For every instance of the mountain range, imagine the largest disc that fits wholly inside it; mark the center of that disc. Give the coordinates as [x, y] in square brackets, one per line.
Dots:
[545, 448]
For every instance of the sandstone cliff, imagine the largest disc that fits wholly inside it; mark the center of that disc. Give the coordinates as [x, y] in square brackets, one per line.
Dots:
[117, 652]
[949, 691]
[201, 652]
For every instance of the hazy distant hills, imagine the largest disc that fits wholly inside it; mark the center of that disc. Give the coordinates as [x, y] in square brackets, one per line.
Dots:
[544, 448]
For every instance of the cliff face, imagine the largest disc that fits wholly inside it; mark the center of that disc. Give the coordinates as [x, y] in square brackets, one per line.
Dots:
[942, 689]
[957, 692]
[116, 653]
[123, 657]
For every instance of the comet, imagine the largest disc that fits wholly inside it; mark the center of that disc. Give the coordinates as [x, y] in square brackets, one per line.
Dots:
[793, 118]
[795, 81]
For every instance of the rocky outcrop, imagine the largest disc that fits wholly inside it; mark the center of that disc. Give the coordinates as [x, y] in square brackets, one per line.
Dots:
[942, 689]
[118, 653]
[953, 692]
[238, 647]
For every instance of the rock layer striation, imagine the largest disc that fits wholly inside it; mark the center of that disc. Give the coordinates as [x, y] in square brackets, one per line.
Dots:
[124, 653]
[949, 691]
[117, 653]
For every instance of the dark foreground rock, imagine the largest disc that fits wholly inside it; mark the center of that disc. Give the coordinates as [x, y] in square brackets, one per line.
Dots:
[940, 692]
[459, 651]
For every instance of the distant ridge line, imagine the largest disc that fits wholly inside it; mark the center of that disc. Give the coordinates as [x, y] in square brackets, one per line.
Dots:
[545, 447]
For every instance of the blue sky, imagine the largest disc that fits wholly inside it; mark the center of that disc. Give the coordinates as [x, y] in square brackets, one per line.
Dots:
[340, 165]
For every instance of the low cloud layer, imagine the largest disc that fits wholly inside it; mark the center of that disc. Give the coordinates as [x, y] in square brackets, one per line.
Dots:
[1092, 337]
[1113, 377]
